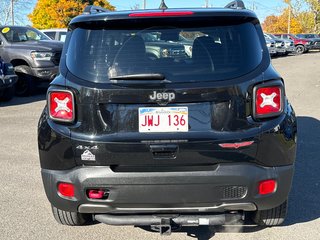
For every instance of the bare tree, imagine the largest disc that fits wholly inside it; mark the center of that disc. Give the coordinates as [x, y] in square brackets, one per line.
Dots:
[21, 8]
[5, 13]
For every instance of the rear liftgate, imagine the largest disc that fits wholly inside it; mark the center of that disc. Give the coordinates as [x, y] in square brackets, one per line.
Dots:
[164, 224]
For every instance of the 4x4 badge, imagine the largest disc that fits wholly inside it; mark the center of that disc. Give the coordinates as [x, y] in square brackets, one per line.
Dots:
[162, 98]
[81, 147]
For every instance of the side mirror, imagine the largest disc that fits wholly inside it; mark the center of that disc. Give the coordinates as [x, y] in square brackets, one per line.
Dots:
[1, 42]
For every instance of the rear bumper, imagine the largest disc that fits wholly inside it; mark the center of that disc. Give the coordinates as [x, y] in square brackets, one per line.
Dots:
[226, 187]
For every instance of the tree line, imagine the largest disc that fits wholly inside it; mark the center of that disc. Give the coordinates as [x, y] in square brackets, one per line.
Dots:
[299, 16]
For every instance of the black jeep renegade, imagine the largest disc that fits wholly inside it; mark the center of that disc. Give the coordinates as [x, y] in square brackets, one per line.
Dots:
[199, 139]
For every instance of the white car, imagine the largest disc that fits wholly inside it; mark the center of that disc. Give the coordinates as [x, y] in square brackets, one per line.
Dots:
[58, 34]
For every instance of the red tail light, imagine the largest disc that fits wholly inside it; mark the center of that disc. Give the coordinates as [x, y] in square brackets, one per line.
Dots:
[66, 189]
[161, 14]
[268, 101]
[61, 106]
[267, 187]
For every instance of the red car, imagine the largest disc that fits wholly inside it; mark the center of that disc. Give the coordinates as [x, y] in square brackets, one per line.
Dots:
[302, 45]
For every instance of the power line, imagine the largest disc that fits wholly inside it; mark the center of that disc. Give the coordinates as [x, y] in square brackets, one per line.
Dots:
[264, 6]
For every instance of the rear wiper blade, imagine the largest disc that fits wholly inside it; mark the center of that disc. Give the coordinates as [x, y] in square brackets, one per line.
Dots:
[142, 76]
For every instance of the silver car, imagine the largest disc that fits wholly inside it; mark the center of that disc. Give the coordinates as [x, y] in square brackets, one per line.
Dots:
[288, 43]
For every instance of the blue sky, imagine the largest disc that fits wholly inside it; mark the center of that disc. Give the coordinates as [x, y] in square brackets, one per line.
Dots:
[262, 8]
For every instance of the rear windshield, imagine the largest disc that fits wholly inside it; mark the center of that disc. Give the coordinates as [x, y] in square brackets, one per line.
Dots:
[208, 53]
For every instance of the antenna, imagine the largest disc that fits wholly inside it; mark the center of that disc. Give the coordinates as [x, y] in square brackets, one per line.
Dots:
[163, 5]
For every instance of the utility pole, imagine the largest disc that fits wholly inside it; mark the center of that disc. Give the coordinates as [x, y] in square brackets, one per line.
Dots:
[253, 6]
[12, 12]
[207, 4]
[144, 4]
[289, 19]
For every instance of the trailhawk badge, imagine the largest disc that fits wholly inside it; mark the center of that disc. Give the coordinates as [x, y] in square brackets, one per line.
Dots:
[88, 156]
[162, 98]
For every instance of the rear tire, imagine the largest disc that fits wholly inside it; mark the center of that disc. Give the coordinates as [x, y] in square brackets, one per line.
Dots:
[271, 217]
[25, 85]
[71, 218]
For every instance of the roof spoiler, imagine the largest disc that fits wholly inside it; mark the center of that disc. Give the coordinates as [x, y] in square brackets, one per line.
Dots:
[237, 4]
[91, 9]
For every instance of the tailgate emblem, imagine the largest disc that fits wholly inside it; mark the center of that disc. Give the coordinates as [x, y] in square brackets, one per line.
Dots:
[162, 98]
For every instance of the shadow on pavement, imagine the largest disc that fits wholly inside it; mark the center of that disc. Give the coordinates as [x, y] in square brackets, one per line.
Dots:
[304, 204]
[39, 95]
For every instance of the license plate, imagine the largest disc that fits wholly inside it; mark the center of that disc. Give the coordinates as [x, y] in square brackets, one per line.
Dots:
[163, 119]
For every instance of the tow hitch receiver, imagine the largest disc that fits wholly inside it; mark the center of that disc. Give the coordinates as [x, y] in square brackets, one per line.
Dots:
[164, 228]
[165, 223]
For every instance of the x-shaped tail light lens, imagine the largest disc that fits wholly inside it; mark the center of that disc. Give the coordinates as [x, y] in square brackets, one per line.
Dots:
[268, 101]
[61, 106]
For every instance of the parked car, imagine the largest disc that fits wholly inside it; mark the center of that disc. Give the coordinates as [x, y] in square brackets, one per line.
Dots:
[302, 45]
[271, 45]
[279, 45]
[34, 56]
[58, 34]
[288, 43]
[313, 37]
[8, 78]
[157, 48]
[167, 142]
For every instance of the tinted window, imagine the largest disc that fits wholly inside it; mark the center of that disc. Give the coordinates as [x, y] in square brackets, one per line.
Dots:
[51, 35]
[217, 53]
[22, 34]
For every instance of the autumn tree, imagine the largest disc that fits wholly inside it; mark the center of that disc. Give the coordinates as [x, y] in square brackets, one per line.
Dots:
[279, 24]
[315, 9]
[58, 13]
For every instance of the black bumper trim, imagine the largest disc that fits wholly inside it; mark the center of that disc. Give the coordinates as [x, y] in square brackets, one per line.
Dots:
[181, 220]
[95, 208]
[168, 190]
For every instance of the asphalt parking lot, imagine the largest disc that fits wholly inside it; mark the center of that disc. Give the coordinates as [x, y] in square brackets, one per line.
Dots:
[26, 213]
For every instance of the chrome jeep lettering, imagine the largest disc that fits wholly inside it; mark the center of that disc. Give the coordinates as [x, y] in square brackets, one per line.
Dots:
[162, 96]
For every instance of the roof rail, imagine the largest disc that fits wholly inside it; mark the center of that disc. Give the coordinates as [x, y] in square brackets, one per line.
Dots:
[237, 4]
[91, 9]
